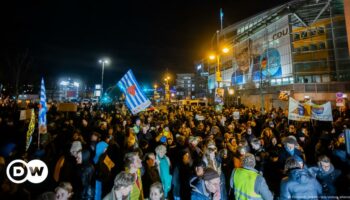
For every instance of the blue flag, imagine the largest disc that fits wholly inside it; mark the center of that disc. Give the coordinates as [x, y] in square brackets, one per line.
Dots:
[42, 109]
[135, 99]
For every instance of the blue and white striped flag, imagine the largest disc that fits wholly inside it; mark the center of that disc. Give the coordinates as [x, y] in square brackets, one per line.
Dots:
[42, 109]
[135, 99]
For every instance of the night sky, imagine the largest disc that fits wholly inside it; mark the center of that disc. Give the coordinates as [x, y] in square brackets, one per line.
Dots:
[65, 38]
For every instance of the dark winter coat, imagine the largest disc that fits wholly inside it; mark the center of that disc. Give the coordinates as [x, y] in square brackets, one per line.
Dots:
[326, 179]
[198, 190]
[300, 184]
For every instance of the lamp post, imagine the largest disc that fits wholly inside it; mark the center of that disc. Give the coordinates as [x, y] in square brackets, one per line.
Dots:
[155, 93]
[103, 62]
[218, 63]
[218, 70]
[167, 89]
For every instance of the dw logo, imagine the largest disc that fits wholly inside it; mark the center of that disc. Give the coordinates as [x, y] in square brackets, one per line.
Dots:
[35, 171]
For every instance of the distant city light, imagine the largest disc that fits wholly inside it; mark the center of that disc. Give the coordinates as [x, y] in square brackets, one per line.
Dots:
[64, 83]
[76, 84]
[199, 67]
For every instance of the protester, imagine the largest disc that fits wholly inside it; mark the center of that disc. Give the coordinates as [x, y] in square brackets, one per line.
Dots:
[151, 174]
[64, 191]
[299, 184]
[156, 192]
[246, 182]
[122, 187]
[327, 176]
[133, 165]
[89, 146]
[206, 187]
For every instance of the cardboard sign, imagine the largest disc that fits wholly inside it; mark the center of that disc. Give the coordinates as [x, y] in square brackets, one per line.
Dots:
[199, 117]
[25, 114]
[67, 107]
[236, 115]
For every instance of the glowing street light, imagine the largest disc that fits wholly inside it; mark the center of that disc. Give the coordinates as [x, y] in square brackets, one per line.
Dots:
[218, 72]
[225, 50]
[104, 62]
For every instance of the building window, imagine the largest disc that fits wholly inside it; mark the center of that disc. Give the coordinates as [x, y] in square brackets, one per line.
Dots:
[296, 36]
[304, 34]
[305, 48]
[313, 32]
[325, 78]
[320, 30]
[321, 45]
[313, 47]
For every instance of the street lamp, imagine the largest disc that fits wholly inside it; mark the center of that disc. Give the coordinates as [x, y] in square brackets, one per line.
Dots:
[167, 89]
[218, 71]
[103, 62]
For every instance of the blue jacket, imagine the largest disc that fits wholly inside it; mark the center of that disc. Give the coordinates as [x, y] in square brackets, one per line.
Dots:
[326, 179]
[198, 190]
[300, 184]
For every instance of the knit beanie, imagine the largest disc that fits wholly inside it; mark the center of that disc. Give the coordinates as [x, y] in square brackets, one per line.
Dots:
[210, 174]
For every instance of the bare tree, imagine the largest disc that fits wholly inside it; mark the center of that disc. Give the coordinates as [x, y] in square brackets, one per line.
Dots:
[19, 65]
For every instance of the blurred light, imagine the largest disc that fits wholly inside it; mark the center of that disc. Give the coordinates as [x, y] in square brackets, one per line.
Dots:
[225, 50]
[64, 83]
[97, 93]
[199, 67]
[172, 94]
[104, 61]
[212, 57]
[155, 86]
[345, 96]
[231, 91]
[97, 86]
[306, 97]
[76, 84]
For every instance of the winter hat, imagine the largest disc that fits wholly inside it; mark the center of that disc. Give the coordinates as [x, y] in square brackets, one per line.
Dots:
[210, 174]
[290, 140]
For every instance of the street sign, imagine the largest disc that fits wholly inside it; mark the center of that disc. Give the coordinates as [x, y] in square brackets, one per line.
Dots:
[340, 102]
[339, 95]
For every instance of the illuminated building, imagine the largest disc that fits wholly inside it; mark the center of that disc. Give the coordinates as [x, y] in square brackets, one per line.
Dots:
[300, 47]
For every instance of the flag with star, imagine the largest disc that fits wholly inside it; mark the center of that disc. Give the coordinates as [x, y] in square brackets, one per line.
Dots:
[135, 99]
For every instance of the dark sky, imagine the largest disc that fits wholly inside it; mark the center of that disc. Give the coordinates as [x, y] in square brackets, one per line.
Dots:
[67, 37]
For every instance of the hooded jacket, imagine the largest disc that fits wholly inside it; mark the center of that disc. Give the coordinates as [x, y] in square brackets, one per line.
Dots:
[86, 174]
[198, 190]
[300, 184]
[326, 179]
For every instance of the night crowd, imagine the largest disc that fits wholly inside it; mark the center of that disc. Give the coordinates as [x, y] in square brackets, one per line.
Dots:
[178, 152]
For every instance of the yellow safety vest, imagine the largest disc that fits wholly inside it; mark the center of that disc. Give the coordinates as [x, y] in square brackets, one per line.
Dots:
[244, 182]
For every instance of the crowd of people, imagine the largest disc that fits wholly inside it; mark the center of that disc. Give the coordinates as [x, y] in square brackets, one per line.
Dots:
[177, 152]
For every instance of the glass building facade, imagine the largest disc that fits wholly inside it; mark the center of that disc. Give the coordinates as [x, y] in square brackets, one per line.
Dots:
[300, 46]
